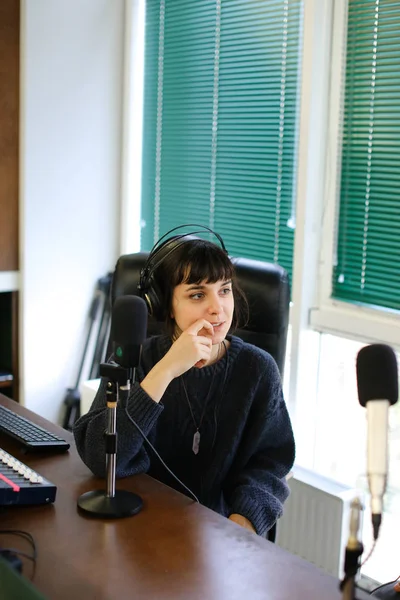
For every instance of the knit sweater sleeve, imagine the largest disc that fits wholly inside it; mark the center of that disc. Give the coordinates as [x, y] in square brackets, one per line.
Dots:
[89, 431]
[257, 488]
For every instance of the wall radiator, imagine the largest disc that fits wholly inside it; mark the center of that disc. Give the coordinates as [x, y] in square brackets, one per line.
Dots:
[315, 521]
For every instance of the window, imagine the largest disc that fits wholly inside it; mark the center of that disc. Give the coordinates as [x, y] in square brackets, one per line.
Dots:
[368, 246]
[358, 286]
[220, 122]
[359, 263]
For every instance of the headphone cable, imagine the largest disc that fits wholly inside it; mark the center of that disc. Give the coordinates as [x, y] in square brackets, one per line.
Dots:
[27, 536]
[195, 498]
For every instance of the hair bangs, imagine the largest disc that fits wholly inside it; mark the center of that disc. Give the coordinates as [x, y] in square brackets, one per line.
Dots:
[204, 263]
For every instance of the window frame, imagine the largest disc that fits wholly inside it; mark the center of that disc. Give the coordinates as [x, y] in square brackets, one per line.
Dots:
[132, 127]
[351, 320]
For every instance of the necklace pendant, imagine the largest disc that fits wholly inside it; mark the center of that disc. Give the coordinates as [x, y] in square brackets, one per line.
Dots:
[196, 442]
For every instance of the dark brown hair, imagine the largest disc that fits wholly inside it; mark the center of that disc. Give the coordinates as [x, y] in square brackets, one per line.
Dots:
[195, 260]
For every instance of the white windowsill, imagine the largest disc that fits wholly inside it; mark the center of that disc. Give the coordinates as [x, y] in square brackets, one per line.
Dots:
[357, 322]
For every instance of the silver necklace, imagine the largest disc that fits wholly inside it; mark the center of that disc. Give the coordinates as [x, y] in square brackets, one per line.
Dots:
[196, 436]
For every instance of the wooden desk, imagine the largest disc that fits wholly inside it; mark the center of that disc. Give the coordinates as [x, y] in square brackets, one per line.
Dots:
[174, 549]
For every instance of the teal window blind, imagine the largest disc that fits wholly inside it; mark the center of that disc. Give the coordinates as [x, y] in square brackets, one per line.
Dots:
[368, 245]
[221, 95]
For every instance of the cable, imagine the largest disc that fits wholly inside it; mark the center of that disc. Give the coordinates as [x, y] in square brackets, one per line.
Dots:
[18, 552]
[159, 457]
[27, 536]
[385, 584]
[24, 534]
[369, 554]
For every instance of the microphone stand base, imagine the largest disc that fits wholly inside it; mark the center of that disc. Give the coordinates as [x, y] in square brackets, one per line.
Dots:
[123, 504]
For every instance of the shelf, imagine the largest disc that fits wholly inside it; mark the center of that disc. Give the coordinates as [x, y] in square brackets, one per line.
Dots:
[9, 281]
[6, 383]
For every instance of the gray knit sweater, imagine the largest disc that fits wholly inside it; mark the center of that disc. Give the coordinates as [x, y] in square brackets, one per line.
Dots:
[247, 445]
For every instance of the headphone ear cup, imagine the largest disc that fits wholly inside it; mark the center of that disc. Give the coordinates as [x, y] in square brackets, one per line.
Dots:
[151, 294]
[143, 286]
[154, 300]
[148, 286]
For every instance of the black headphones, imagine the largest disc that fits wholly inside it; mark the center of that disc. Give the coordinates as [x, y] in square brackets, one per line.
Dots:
[148, 288]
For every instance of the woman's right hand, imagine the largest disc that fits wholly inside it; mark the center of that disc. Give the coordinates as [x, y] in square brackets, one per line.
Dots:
[188, 350]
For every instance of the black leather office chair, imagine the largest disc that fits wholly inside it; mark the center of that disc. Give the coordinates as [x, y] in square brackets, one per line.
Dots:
[267, 290]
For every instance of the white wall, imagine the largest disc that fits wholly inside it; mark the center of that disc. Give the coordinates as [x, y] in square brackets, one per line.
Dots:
[71, 123]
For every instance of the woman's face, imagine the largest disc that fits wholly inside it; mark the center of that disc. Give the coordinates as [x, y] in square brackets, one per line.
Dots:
[211, 301]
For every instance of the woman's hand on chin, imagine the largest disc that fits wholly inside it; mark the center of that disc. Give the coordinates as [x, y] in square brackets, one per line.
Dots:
[192, 347]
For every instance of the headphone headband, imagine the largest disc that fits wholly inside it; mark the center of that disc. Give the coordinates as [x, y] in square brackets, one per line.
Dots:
[151, 266]
[202, 230]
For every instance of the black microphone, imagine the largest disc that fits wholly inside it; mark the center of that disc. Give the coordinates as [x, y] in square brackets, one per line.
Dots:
[377, 382]
[128, 330]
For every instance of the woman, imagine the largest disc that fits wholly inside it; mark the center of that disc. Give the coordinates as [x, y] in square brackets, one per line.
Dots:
[211, 404]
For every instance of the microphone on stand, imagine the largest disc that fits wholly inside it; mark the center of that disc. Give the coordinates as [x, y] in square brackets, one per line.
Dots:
[128, 332]
[377, 382]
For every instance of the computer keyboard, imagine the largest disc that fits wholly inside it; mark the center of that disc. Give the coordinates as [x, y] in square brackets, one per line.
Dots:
[27, 433]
